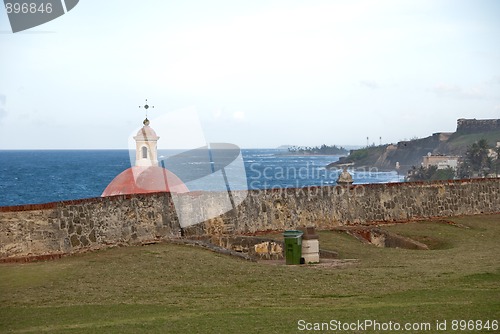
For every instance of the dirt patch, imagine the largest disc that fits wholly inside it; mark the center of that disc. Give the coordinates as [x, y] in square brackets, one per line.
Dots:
[449, 222]
[381, 238]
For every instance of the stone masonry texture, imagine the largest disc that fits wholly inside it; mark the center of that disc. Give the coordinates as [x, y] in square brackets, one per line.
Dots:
[74, 226]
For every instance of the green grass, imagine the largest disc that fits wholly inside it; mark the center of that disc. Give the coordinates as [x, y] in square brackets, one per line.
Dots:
[459, 141]
[367, 155]
[181, 289]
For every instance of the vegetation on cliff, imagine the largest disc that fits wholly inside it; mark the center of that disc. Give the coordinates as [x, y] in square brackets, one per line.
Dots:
[430, 173]
[477, 162]
[459, 142]
[407, 154]
[317, 150]
[362, 157]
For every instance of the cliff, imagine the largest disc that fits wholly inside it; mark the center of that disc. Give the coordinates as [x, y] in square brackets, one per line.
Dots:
[410, 153]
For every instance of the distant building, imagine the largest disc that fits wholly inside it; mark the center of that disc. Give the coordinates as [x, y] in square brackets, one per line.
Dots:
[441, 161]
[477, 125]
[492, 153]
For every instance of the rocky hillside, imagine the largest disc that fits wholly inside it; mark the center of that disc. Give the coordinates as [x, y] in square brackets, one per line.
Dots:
[410, 153]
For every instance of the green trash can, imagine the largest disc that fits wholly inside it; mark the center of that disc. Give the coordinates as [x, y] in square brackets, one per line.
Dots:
[293, 246]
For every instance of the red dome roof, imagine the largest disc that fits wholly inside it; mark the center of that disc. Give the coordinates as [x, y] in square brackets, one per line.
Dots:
[140, 180]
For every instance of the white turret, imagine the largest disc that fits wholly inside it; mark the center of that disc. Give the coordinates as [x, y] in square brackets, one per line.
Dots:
[146, 152]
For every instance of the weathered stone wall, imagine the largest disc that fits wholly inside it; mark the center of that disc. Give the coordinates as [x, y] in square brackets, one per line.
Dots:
[65, 227]
[256, 247]
[477, 125]
[325, 207]
[72, 226]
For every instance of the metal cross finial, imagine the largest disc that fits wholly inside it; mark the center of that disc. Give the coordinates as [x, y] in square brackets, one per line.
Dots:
[146, 107]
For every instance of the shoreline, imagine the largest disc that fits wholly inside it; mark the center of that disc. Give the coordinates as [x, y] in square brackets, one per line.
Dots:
[310, 155]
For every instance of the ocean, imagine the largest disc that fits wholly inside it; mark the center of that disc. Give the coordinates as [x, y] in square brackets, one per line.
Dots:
[41, 176]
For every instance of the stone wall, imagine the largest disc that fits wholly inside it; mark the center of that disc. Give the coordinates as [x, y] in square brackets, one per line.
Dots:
[477, 125]
[326, 207]
[72, 226]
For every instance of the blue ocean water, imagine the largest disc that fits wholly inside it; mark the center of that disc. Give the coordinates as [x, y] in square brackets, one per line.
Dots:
[40, 176]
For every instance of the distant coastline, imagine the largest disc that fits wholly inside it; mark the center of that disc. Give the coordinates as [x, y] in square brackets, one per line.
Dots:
[323, 150]
[407, 154]
[292, 154]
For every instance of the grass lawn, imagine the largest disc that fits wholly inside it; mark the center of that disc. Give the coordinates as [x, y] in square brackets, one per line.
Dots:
[182, 289]
[460, 140]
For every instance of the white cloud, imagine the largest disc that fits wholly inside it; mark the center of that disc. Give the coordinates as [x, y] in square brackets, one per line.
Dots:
[369, 84]
[456, 91]
[3, 113]
[443, 89]
[291, 63]
[263, 48]
[239, 115]
[496, 79]
[217, 114]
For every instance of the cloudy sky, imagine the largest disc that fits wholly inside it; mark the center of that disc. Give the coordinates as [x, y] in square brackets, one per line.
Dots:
[254, 73]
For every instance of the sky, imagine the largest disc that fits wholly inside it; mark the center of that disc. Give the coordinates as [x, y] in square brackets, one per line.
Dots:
[258, 74]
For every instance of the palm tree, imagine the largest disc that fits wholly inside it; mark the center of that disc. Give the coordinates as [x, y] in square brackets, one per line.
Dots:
[477, 157]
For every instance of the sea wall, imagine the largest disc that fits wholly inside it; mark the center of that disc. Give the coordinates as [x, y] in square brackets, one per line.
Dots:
[326, 207]
[74, 226]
